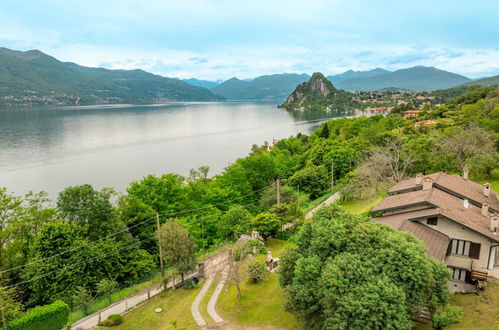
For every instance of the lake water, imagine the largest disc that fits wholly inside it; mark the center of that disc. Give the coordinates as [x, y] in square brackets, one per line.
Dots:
[110, 146]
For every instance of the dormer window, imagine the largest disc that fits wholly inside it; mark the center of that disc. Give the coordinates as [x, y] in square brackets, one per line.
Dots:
[432, 221]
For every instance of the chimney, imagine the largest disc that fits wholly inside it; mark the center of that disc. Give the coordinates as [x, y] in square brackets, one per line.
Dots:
[486, 189]
[485, 209]
[466, 171]
[427, 183]
[419, 179]
[494, 223]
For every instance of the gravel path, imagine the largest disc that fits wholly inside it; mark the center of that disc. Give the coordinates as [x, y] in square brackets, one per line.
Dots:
[213, 300]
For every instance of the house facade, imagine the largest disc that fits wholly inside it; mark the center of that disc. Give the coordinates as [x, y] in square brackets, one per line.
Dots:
[457, 219]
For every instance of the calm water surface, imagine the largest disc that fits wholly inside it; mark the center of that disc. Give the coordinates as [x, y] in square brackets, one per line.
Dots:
[111, 146]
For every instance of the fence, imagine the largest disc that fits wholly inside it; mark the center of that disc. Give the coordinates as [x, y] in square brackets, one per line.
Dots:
[122, 306]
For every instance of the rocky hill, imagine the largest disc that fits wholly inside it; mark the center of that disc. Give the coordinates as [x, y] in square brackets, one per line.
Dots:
[319, 93]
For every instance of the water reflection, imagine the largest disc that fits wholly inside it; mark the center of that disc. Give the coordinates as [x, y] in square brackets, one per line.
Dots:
[51, 148]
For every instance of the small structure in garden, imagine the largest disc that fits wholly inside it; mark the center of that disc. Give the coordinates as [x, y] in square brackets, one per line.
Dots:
[272, 263]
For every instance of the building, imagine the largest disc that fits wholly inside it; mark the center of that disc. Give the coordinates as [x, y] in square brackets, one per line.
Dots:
[457, 219]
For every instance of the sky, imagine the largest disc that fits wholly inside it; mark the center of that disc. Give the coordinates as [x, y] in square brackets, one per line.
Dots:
[219, 39]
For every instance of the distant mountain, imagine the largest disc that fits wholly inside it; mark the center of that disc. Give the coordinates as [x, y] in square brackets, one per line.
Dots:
[418, 78]
[494, 80]
[319, 93]
[274, 87]
[34, 78]
[202, 83]
[350, 74]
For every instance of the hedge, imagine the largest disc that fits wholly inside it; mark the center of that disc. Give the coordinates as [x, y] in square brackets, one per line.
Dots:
[47, 317]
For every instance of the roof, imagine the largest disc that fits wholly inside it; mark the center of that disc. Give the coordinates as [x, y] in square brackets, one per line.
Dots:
[454, 184]
[400, 200]
[439, 202]
[436, 243]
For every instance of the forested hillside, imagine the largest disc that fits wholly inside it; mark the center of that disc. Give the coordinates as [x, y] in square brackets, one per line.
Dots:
[70, 248]
[275, 87]
[33, 78]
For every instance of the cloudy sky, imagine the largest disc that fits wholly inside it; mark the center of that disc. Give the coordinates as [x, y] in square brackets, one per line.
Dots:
[219, 39]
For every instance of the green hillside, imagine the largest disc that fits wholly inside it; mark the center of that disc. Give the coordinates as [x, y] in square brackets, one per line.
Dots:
[274, 87]
[319, 93]
[34, 78]
[491, 81]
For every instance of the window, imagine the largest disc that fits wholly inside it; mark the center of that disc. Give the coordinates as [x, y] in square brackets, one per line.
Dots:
[465, 248]
[460, 274]
[432, 221]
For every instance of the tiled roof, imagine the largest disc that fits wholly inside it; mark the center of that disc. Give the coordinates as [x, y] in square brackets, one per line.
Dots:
[400, 200]
[454, 183]
[446, 204]
[436, 243]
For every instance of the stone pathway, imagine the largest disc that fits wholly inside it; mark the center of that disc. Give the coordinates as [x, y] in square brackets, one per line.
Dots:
[213, 266]
[333, 198]
[195, 305]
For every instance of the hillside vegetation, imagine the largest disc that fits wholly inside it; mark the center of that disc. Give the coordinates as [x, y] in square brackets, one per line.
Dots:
[34, 78]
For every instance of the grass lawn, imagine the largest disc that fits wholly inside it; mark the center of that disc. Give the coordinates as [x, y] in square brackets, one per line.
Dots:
[479, 311]
[176, 307]
[277, 246]
[361, 206]
[261, 305]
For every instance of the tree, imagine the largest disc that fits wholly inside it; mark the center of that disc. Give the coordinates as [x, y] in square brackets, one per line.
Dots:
[90, 209]
[466, 143]
[256, 271]
[287, 213]
[10, 307]
[10, 210]
[82, 298]
[234, 223]
[107, 287]
[266, 224]
[179, 248]
[312, 179]
[348, 272]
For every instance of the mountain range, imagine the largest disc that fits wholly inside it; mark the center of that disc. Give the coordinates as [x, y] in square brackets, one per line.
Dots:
[275, 87]
[34, 78]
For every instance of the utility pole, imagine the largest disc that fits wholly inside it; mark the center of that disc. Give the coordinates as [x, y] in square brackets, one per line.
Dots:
[332, 174]
[202, 228]
[278, 191]
[160, 249]
[298, 189]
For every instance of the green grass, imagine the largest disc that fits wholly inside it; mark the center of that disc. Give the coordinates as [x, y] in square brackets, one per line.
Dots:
[261, 305]
[479, 311]
[313, 203]
[361, 206]
[277, 246]
[176, 306]
[203, 307]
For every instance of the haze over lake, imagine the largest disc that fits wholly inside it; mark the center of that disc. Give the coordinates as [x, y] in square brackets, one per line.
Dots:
[110, 146]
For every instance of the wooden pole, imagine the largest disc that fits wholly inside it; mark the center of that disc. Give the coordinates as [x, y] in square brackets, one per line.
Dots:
[278, 191]
[202, 229]
[160, 249]
[332, 174]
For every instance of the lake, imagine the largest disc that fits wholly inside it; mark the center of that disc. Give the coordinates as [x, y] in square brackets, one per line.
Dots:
[110, 146]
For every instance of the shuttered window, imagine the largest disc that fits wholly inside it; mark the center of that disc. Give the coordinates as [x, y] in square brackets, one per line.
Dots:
[459, 274]
[465, 248]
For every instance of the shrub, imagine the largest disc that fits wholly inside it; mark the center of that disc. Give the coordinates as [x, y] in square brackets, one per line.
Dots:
[112, 320]
[189, 284]
[257, 270]
[47, 317]
[446, 316]
[260, 247]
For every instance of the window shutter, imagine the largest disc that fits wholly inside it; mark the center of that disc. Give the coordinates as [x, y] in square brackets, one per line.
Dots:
[449, 247]
[475, 250]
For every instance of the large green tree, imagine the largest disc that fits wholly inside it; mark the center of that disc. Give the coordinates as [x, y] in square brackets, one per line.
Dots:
[348, 272]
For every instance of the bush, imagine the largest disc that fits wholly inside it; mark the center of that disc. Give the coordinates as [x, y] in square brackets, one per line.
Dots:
[112, 320]
[189, 284]
[257, 270]
[47, 317]
[446, 316]
[260, 247]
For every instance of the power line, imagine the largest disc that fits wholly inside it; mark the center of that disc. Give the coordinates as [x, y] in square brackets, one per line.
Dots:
[133, 226]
